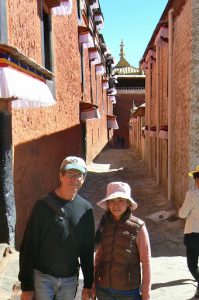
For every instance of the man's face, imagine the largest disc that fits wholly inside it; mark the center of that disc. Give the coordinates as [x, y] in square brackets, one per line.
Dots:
[72, 180]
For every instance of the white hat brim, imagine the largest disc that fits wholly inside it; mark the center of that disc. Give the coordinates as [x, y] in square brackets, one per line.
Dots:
[103, 203]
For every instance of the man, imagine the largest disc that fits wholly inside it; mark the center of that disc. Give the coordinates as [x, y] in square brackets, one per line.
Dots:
[53, 242]
[190, 212]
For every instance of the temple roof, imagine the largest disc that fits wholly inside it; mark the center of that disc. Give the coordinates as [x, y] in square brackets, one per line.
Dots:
[123, 67]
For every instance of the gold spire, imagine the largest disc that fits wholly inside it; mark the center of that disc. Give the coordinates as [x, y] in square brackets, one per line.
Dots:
[122, 54]
[122, 62]
[123, 66]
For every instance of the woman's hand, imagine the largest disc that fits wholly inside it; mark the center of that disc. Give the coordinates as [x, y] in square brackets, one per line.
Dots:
[28, 295]
[86, 294]
[93, 292]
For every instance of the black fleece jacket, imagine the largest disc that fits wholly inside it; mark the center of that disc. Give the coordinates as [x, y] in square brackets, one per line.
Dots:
[50, 247]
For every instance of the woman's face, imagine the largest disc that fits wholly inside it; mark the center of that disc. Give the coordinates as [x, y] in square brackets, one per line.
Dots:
[117, 207]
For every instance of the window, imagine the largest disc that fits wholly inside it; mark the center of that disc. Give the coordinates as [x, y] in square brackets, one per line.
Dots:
[102, 99]
[82, 67]
[91, 86]
[79, 9]
[47, 45]
[96, 82]
[46, 42]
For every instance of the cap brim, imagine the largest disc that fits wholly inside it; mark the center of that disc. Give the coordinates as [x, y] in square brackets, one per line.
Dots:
[74, 167]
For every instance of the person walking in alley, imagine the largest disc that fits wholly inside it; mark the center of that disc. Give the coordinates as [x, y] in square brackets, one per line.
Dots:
[190, 211]
[60, 231]
[123, 255]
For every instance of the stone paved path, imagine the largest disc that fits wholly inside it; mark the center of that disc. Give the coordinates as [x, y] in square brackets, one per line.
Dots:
[170, 277]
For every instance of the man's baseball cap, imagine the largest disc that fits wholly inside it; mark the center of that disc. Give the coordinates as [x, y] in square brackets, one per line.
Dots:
[73, 163]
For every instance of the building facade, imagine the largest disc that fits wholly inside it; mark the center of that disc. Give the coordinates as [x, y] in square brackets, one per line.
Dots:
[130, 92]
[137, 130]
[172, 108]
[53, 100]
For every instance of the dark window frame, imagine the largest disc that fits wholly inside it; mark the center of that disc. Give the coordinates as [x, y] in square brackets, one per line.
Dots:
[47, 40]
[79, 13]
[47, 45]
[83, 82]
[91, 86]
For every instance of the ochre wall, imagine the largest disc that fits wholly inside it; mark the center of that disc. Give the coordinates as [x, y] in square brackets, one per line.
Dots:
[42, 137]
[182, 64]
[194, 109]
[183, 104]
[122, 110]
[24, 30]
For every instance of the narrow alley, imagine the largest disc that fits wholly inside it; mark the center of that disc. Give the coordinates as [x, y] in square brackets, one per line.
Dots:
[68, 88]
[170, 277]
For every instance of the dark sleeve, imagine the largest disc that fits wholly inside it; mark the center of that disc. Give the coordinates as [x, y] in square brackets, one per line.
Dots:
[29, 246]
[87, 231]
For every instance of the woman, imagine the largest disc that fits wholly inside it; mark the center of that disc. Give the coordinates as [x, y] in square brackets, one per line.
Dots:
[122, 261]
[190, 211]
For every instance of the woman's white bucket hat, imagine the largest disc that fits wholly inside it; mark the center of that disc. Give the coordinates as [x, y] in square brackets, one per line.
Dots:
[118, 190]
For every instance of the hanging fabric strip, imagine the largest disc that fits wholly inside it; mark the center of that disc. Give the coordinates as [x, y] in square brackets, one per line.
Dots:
[65, 8]
[112, 122]
[90, 113]
[27, 90]
[112, 91]
[86, 39]
[95, 4]
[105, 84]
[99, 69]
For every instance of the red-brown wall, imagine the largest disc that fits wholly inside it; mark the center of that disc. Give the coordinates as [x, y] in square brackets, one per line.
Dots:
[122, 111]
[42, 137]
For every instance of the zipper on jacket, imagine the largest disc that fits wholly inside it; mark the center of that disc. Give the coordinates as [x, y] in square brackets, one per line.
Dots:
[112, 247]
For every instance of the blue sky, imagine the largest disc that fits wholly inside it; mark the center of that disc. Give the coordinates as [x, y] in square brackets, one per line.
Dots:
[133, 21]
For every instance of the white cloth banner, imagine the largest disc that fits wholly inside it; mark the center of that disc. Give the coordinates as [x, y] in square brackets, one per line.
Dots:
[105, 85]
[113, 101]
[85, 37]
[92, 113]
[100, 26]
[112, 91]
[93, 54]
[96, 60]
[28, 91]
[112, 124]
[65, 8]
[99, 69]
[98, 18]
[90, 44]
[95, 5]
[112, 98]
[86, 40]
